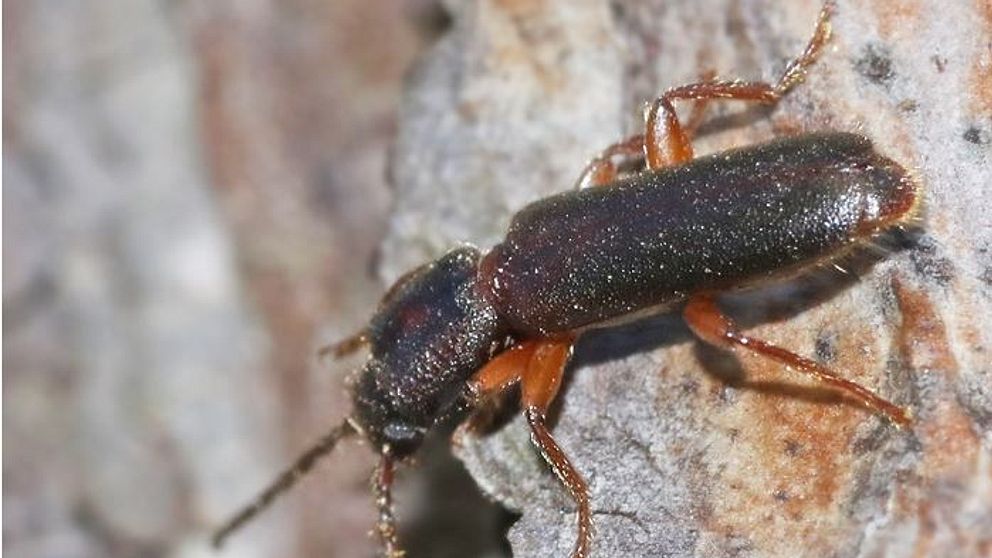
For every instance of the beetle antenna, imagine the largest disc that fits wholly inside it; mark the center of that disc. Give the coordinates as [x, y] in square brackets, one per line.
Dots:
[345, 346]
[285, 480]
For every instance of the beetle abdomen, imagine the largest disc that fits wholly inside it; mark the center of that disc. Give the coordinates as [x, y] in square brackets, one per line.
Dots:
[729, 219]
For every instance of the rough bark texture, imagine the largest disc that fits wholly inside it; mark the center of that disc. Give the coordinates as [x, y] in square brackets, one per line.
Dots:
[689, 451]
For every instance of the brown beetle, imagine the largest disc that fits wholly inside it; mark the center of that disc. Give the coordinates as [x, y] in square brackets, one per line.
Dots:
[471, 324]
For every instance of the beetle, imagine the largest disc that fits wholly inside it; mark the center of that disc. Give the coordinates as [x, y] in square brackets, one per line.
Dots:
[472, 324]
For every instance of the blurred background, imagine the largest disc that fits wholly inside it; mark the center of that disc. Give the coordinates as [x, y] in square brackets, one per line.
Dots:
[194, 194]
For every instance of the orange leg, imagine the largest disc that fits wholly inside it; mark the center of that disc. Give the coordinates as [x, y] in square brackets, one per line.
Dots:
[666, 141]
[713, 327]
[539, 366]
[698, 108]
[603, 169]
[540, 384]
[501, 372]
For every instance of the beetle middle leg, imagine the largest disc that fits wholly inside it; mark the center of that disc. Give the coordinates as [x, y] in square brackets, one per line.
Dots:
[603, 169]
[709, 324]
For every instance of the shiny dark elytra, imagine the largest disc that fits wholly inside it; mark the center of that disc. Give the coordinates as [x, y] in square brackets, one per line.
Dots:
[471, 325]
[719, 222]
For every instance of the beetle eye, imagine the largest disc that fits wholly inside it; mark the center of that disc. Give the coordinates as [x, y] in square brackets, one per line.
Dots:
[403, 439]
[399, 432]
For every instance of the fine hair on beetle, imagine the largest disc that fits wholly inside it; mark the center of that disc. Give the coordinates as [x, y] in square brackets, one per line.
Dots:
[673, 234]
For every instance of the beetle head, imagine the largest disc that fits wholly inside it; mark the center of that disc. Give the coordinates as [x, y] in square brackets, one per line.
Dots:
[431, 332]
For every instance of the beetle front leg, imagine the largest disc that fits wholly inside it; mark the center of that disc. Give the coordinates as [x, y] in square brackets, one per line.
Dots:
[500, 373]
[539, 367]
[344, 347]
[715, 328]
[539, 386]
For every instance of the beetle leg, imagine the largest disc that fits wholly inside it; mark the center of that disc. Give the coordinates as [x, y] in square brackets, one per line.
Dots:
[667, 141]
[602, 170]
[501, 372]
[539, 366]
[539, 386]
[382, 486]
[698, 113]
[709, 324]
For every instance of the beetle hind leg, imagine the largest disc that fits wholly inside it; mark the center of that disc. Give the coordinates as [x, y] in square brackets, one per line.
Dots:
[667, 141]
[603, 169]
[715, 328]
